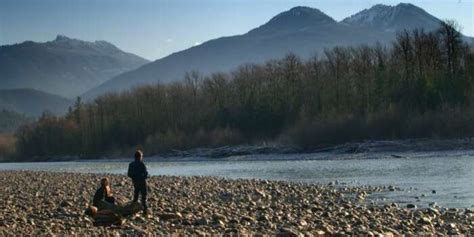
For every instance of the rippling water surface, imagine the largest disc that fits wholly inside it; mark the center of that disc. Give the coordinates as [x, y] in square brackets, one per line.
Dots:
[450, 174]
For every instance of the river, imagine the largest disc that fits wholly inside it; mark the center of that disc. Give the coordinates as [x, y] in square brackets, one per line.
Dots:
[444, 177]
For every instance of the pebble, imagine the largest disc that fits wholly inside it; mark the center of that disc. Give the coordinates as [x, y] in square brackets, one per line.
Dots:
[42, 203]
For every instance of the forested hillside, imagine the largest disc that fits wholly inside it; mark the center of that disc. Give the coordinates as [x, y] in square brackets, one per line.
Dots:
[420, 87]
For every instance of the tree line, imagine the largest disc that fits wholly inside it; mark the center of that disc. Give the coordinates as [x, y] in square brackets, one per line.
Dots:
[421, 86]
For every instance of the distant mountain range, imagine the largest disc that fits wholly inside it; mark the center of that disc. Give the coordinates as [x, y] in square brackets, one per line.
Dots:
[33, 103]
[66, 67]
[301, 30]
[70, 67]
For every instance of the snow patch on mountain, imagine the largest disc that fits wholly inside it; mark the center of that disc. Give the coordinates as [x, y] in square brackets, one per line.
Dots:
[393, 18]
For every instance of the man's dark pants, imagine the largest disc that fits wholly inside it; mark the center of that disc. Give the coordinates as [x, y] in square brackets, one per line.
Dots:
[140, 188]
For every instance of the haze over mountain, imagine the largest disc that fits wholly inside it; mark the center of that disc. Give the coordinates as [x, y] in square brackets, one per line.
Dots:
[11, 120]
[64, 66]
[33, 102]
[300, 30]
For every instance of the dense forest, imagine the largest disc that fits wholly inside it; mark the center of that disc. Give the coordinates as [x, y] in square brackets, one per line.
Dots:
[421, 86]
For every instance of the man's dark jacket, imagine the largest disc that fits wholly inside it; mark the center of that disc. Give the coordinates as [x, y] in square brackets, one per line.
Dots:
[137, 171]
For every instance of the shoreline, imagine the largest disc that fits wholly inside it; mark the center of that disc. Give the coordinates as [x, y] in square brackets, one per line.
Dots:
[54, 203]
[392, 147]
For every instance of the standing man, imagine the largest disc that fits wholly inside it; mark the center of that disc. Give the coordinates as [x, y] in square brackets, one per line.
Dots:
[137, 171]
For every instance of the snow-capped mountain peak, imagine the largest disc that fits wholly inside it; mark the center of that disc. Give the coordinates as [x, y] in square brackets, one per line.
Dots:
[394, 18]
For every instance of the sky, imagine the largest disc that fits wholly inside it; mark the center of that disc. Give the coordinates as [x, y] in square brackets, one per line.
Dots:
[156, 28]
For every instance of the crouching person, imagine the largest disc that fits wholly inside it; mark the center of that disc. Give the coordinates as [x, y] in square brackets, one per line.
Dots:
[103, 209]
[103, 198]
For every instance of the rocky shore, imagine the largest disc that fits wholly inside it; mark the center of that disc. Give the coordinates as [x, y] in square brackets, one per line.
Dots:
[42, 203]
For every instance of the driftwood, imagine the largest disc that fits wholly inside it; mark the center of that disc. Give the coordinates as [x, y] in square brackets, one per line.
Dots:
[107, 217]
[114, 216]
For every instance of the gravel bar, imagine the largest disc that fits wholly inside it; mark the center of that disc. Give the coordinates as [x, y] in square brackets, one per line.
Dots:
[50, 203]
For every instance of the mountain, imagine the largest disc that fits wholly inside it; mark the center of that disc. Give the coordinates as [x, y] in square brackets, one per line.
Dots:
[300, 30]
[394, 18]
[32, 102]
[296, 18]
[64, 66]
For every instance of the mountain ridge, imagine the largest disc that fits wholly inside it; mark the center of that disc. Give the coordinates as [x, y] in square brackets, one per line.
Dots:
[301, 30]
[304, 31]
[298, 18]
[63, 66]
[394, 18]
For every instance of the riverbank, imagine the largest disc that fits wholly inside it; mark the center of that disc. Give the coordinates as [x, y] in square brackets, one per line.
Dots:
[393, 148]
[53, 203]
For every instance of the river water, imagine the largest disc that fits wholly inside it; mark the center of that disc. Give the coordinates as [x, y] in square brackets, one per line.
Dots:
[446, 177]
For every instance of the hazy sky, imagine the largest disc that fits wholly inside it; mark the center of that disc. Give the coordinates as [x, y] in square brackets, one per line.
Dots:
[156, 28]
